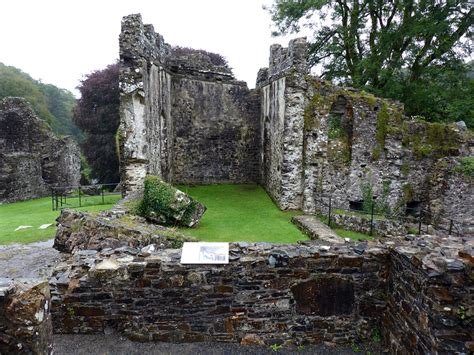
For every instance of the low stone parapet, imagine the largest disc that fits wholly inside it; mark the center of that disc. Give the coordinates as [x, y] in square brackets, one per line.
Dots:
[382, 227]
[85, 231]
[412, 292]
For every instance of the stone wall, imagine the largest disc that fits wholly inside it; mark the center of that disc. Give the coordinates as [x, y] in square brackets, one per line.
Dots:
[381, 227]
[282, 88]
[282, 293]
[25, 318]
[214, 132]
[182, 118]
[83, 231]
[32, 158]
[430, 308]
[413, 292]
[319, 140]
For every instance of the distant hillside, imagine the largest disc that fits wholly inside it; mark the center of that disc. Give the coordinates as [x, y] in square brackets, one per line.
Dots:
[51, 103]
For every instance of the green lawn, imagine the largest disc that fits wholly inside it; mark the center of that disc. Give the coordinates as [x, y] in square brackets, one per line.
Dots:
[35, 213]
[352, 235]
[241, 213]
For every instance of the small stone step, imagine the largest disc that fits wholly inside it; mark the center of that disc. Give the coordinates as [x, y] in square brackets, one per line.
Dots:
[315, 229]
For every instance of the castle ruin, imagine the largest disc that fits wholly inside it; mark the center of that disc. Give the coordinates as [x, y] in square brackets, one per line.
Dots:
[303, 139]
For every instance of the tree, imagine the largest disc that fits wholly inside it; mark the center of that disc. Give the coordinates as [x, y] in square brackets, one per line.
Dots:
[52, 104]
[387, 47]
[97, 114]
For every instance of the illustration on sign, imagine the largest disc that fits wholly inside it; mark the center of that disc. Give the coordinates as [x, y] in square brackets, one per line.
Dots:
[205, 253]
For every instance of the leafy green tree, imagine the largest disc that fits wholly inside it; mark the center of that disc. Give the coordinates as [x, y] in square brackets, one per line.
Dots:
[97, 114]
[397, 48]
[52, 104]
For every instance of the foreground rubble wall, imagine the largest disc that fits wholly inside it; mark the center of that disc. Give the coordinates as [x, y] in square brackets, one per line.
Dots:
[415, 292]
[429, 303]
[25, 318]
[279, 294]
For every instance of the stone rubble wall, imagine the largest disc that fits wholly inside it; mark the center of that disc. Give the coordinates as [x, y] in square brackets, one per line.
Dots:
[430, 308]
[385, 151]
[78, 231]
[32, 158]
[381, 227]
[214, 132]
[145, 103]
[278, 293]
[181, 118]
[414, 292]
[25, 318]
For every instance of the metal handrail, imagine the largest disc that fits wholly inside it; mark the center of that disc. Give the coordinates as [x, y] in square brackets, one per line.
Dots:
[59, 194]
[422, 214]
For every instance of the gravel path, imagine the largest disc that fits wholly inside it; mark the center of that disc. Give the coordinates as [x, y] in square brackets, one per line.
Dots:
[32, 261]
[113, 344]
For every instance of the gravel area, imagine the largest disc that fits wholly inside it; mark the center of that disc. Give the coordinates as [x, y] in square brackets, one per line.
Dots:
[28, 261]
[114, 344]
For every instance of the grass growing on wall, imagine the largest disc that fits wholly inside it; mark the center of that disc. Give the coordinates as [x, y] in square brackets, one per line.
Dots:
[35, 213]
[241, 213]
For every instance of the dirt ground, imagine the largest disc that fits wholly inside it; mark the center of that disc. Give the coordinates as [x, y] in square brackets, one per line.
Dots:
[116, 345]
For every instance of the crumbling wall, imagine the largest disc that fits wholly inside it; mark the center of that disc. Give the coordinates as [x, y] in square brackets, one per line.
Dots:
[280, 293]
[282, 88]
[414, 293]
[25, 318]
[145, 103]
[429, 300]
[355, 142]
[182, 118]
[32, 158]
[214, 132]
[319, 140]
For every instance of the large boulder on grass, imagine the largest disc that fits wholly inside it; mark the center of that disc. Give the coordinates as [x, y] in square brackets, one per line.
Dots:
[166, 205]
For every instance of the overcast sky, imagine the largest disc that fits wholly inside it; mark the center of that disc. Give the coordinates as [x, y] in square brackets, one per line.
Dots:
[59, 41]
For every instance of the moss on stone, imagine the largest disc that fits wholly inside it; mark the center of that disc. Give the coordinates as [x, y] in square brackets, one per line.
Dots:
[376, 153]
[408, 192]
[405, 168]
[316, 104]
[159, 200]
[363, 96]
[381, 130]
[382, 124]
[435, 140]
[466, 167]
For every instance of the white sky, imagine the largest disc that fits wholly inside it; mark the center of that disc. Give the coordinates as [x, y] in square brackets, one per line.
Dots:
[59, 41]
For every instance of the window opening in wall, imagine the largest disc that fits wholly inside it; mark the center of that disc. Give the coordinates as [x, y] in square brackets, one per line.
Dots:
[356, 205]
[413, 208]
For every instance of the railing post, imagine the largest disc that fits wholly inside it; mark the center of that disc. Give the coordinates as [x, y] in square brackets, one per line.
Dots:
[102, 193]
[52, 198]
[419, 222]
[80, 197]
[372, 219]
[329, 213]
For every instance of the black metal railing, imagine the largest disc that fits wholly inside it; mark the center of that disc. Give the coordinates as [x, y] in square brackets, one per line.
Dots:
[84, 195]
[422, 218]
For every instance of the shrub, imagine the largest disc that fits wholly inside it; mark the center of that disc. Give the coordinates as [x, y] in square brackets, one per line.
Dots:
[161, 203]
